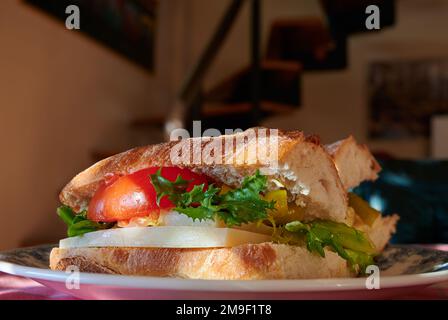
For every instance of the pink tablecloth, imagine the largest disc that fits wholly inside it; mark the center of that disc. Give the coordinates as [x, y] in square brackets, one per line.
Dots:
[17, 288]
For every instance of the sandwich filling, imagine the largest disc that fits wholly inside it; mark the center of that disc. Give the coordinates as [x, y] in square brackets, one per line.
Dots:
[176, 207]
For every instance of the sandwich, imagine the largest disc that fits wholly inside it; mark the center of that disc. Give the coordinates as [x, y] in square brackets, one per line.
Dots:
[214, 208]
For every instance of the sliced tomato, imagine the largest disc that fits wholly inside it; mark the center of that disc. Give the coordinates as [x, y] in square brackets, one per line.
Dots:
[130, 196]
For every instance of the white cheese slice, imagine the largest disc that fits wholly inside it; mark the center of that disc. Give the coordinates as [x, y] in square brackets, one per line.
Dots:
[165, 237]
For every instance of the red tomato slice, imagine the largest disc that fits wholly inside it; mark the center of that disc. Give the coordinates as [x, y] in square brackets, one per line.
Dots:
[126, 197]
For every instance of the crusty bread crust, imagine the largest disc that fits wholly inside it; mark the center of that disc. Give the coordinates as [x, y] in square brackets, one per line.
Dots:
[245, 262]
[382, 230]
[353, 161]
[303, 166]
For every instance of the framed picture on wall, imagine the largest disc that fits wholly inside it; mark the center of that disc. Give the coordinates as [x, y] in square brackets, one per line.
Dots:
[405, 95]
[126, 26]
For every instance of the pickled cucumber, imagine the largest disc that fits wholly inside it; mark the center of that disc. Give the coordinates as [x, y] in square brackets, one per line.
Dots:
[363, 209]
[284, 212]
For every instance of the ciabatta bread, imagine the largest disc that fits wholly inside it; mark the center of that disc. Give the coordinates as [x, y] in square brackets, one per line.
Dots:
[245, 262]
[353, 161]
[381, 231]
[303, 167]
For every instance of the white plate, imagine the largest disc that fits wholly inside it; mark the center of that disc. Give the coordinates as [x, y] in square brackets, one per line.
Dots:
[404, 269]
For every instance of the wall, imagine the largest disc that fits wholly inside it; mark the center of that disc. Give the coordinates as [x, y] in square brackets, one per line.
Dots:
[61, 95]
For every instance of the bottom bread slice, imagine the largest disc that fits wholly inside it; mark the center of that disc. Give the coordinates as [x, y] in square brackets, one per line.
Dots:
[244, 262]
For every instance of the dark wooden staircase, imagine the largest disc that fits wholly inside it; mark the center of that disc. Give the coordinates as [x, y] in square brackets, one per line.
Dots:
[307, 41]
[294, 46]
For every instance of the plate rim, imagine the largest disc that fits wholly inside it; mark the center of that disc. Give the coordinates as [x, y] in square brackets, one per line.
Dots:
[197, 285]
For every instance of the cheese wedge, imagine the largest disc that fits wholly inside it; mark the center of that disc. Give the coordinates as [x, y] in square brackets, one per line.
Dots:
[165, 237]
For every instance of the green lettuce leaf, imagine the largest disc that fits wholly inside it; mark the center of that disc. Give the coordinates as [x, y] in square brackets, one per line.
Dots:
[78, 224]
[236, 207]
[350, 244]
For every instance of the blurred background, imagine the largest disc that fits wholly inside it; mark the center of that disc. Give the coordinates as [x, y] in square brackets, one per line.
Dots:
[137, 68]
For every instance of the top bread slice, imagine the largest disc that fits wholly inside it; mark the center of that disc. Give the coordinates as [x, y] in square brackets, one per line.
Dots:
[302, 165]
[353, 161]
